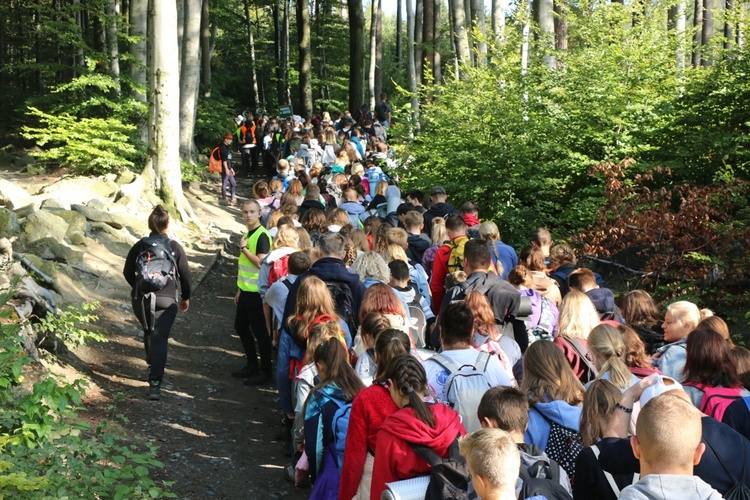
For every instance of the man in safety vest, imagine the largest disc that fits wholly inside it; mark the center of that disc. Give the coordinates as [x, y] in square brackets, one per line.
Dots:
[249, 321]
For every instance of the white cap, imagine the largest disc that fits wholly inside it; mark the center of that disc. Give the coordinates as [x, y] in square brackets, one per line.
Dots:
[239, 119]
[661, 385]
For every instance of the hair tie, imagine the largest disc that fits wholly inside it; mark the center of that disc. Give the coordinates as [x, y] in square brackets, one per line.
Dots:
[394, 339]
[409, 390]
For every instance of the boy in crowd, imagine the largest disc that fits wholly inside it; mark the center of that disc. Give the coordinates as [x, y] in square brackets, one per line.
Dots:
[416, 197]
[402, 284]
[507, 408]
[584, 280]
[418, 242]
[668, 444]
[284, 173]
[493, 463]
[275, 297]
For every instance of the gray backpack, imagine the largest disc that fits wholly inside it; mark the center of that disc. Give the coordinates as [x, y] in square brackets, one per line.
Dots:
[465, 387]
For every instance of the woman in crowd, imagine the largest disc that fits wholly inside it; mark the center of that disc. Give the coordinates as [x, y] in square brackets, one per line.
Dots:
[578, 317]
[709, 364]
[487, 336]
[504, 256]
[534, 262]
[338, 386]
[417, 421]
[639, 363]
[682, 317]
[591, 481]
[369, 410]
[562, 262]
[608, 354]
[718, 325]
[641, 314]
[555, 393]
[439, 237]
[543, 319]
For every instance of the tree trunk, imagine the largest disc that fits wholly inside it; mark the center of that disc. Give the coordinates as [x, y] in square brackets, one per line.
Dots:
[373, 49]
[462, 36]
[454, 38]
[526, 38]
[498, 21]
[254, 99]
[728, 31]
[547, 31]
[189, 77]
[707, 33]
[112, 11]
[410, 64]
[399, 22]
[561, 25]
[379, 51]
[428, 43]
[418, 22]
[277, 46]
[436, 61]
[469, 23]
[305, 59]
[206, 48]
[480, 24]
[163, 162]
[356, 52]
[697, 37]
[285, 52]
[679, 27]
[139, 53]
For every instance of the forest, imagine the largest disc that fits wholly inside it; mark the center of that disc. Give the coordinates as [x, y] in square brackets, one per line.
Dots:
[621, 125]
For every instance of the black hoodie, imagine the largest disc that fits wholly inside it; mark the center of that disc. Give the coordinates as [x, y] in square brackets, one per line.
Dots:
[437, 210]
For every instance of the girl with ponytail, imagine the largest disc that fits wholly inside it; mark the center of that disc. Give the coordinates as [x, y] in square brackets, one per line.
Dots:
[607, 350]
[370, 409]
[418, 421]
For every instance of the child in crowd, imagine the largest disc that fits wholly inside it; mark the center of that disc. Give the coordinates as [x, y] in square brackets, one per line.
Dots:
[493, 462]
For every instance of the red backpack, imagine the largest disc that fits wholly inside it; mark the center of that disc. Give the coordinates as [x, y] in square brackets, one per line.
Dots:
[716, 399]
[279, 269]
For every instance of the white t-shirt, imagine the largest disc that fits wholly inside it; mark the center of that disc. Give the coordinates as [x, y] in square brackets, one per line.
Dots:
[437, 375]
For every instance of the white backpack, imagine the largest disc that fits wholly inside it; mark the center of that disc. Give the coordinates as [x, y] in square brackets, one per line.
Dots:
[465, 387]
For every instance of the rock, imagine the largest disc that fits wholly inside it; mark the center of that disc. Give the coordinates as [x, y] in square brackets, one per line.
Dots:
[9, 223]
[52, 249]
[118, 235]
[12, 196]
[96, 215]
[35, 169]
[43, 224]
[55, 204]
[29, 209]
[76, 233]
[125, 177]
[70, 189]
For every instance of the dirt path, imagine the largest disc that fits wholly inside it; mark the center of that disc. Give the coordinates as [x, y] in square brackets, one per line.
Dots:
[216, 437]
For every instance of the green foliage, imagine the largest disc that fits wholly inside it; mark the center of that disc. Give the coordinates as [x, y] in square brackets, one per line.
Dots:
[46, 451]
[66, 325]
[213, 120]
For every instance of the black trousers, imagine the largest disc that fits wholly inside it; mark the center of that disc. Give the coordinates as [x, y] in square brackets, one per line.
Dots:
[250, 325]
[156, 340]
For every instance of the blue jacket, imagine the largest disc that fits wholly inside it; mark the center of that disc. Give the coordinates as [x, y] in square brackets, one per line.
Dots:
[506, 255]
[354, 210]
[537, 433]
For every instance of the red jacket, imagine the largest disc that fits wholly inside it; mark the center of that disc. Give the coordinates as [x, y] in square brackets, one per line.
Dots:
[396, 460]
[574, 360]
[439, 270]
[370, 408]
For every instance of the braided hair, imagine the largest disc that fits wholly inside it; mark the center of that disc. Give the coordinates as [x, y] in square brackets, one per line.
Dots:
[408, 377]
[389, 345]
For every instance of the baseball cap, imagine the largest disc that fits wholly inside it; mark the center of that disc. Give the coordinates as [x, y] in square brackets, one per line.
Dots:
[437, 190]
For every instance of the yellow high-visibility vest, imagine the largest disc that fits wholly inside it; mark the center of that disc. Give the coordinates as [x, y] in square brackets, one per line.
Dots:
[248, 273]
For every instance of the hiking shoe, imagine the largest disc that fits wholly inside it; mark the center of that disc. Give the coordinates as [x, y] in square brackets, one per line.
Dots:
[154, 391]
[257, 379]
[244, 373]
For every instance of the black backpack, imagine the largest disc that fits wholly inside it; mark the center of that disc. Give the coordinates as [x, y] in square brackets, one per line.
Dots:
[449, 477]
[582, 352]
[538, 487]
[344, 302]
[154, 265]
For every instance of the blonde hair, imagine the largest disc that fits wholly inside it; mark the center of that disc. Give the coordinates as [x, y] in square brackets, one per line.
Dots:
[561, 254]
[338, 217]
[395, 252]
[358, 169]
[687, 314]
[438, 233]
[598, 403]
[397, 236]
[493, 455]
[578, 315]
[371, 265]
[287, 236]
[380, 187]
[273, 219]
[607, 342]
[547, 376]
[668, 431]
[313, 300]
[488, 231]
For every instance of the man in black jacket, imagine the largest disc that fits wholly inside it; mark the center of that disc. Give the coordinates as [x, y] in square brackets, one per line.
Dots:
[439, 208]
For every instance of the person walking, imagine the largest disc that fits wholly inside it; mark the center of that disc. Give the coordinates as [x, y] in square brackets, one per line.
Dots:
[227, 172]
[156, 308]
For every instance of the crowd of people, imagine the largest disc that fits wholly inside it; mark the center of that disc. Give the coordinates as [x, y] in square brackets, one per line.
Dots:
[402, 332]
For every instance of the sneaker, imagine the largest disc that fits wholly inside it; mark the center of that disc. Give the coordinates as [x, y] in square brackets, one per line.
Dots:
[257, 379]
[245, 372]
[154, 391]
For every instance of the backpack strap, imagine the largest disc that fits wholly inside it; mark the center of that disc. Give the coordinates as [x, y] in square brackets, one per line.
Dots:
[483, 360]
[581, 351]
[446, 363]
[428, 454]
[746, 399]
[608, 476]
